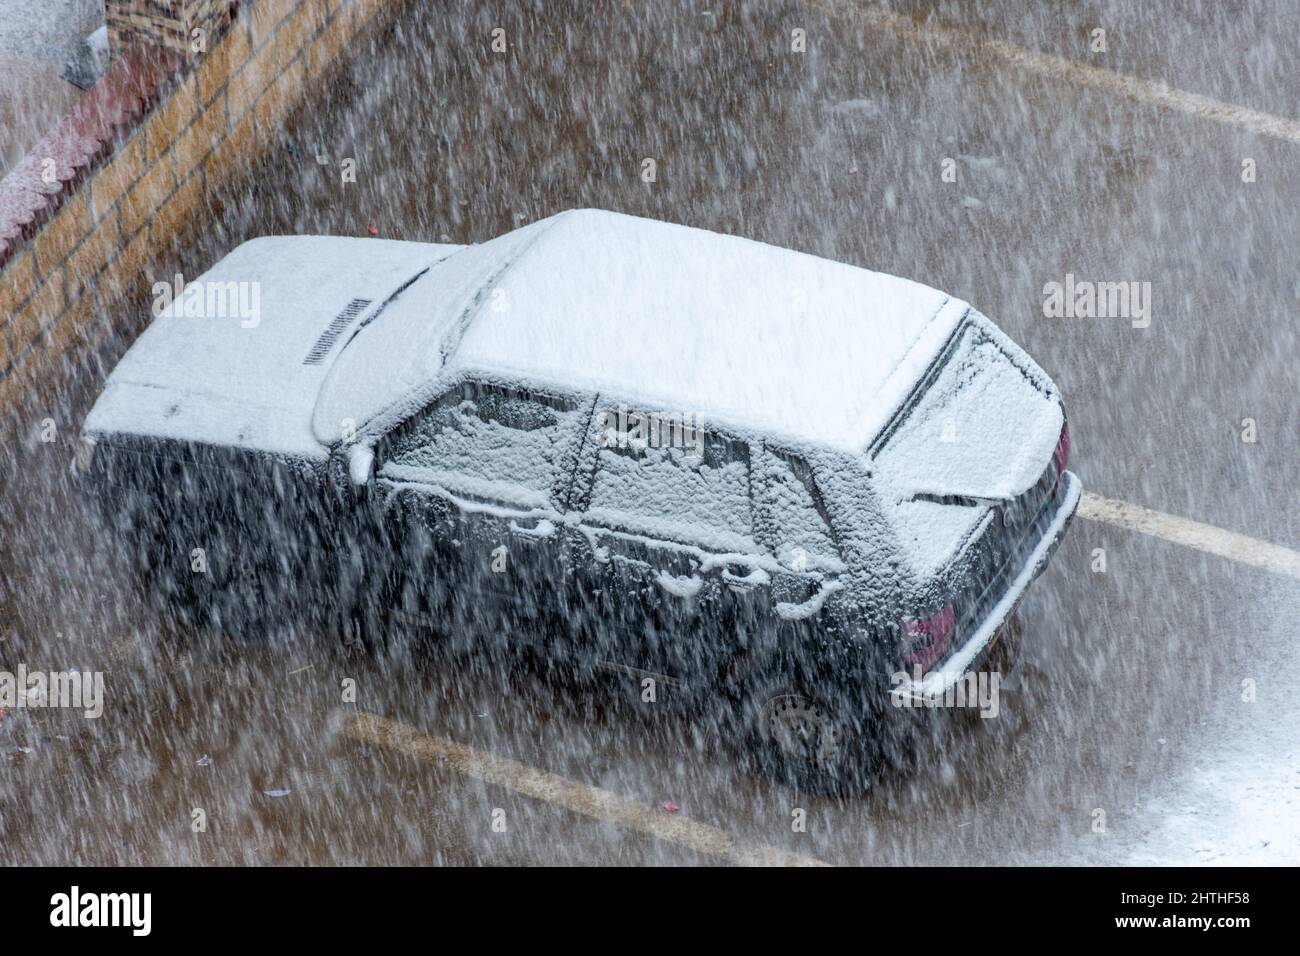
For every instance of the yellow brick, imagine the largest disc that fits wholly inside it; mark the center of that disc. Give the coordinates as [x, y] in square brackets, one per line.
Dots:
[125, 276]
[39, 378]
[266, 15]
[58, 236]
[206, 133]
[175, 215]
[11, 390]
[43, 308]
[280, 97]
[92, 255]
[74, 328]
[368, 12]
[242, 144]
[171, 118]
[219, 65]
[148, 194]
[16, 283]
[324, 50]
[115, 178]
[247, 84]
[298, 28]
[28, 385]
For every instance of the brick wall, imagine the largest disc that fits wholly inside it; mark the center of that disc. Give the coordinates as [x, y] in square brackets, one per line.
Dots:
[165, 23]
[163, 135]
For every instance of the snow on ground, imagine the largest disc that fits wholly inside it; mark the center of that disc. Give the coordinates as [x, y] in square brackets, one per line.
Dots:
[1239, 802]
[1239, 808]
[1236, 801]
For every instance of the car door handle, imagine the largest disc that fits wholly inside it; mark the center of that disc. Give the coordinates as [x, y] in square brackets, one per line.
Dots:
[685, 587]
[539, 529]
[755, 577]
[790, 611]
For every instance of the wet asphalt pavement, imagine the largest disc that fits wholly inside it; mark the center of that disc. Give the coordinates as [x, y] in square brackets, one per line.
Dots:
[1128, 697]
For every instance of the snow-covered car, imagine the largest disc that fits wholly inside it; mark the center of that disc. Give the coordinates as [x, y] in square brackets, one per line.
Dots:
[697, 459]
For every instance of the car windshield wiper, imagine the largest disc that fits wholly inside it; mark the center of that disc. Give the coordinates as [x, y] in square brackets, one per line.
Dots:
[965, 501]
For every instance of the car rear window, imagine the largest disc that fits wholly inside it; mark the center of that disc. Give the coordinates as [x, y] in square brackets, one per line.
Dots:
[980, 430]
[971, 426]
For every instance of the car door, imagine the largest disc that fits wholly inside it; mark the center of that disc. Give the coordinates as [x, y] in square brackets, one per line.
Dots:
[674, 568]
[473, 490]
[794, 526]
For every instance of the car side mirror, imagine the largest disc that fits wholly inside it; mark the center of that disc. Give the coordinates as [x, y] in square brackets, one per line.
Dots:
[361, 470]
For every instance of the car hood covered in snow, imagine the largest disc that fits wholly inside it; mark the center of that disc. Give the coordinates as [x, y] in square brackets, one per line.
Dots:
[251, 379]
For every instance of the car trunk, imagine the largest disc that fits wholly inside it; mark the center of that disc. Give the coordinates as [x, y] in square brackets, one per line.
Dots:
[970, 474]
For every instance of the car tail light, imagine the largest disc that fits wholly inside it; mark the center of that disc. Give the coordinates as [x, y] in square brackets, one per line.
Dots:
[928, 639]
[1061, 457]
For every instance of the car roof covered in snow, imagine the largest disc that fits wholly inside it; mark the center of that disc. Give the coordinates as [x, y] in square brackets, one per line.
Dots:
[659, 315]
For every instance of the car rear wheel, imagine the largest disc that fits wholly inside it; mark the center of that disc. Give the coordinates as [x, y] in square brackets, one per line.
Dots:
[808, 734]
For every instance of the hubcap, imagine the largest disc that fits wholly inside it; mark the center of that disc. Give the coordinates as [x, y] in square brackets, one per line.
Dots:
[801, 729]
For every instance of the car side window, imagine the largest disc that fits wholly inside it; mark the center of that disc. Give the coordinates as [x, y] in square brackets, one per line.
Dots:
[694, 490]
[485, 438]
[798, 526]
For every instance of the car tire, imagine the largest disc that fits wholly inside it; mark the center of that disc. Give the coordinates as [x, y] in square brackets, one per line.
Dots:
[806, 733]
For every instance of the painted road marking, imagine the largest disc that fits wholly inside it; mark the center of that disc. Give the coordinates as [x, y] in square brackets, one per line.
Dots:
[630, 814]
[576, 797]
[1192, 534]
[1079, 74]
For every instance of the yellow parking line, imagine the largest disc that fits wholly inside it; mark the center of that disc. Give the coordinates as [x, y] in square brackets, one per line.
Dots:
[1074, 73]
[1192, 534]
[576, 797]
